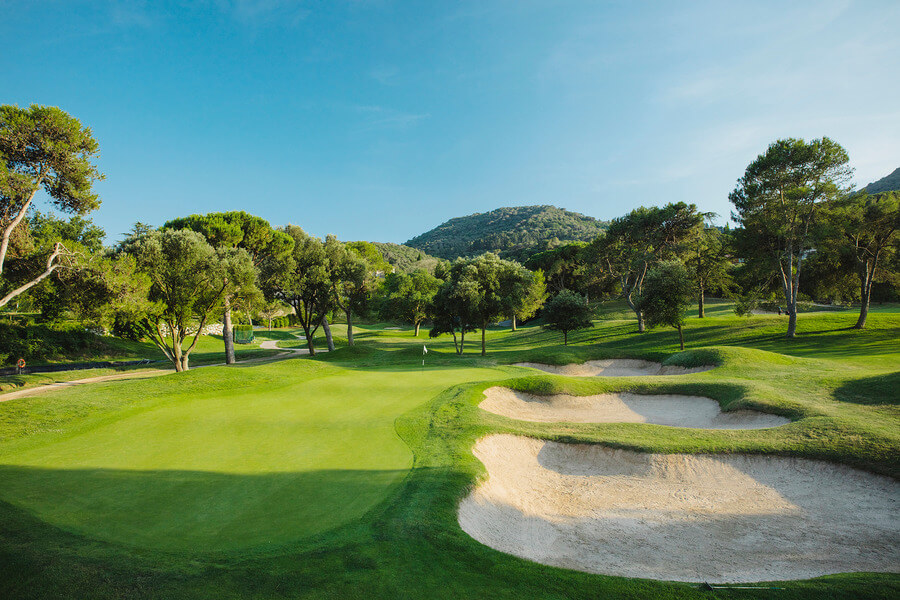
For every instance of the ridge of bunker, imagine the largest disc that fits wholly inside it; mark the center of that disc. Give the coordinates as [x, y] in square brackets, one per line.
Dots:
[659, 409]
[615, 367]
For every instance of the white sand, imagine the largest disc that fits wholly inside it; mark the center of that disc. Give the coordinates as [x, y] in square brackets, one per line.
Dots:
[616, 367]
[728, 518]
[672, 410]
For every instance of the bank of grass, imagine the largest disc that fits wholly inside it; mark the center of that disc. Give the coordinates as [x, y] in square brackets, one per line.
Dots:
[407, 544]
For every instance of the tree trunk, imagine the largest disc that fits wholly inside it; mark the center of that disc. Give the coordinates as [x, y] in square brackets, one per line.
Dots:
[792, 321]
[700, 312]
[227, 335]
[640, 315]
[513, 322]
[349, 327]
[328, 339]
[483, 327]
[309, 340]
[455, 345]
[417, 327]
[681, 337]
[184, 362]
[462, 340]
[865, 292]
[565, 337]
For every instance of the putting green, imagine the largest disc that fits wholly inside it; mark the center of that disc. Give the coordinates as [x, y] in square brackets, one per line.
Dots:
[229, 468]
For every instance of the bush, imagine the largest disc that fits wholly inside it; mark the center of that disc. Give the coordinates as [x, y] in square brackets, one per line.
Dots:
[42, 343]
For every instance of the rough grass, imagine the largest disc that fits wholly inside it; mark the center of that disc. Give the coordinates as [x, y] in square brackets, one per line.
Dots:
[837, 385]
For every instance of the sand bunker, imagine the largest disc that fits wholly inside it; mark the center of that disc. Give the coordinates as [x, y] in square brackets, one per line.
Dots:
[675, 411]
[734, 518]
[616, 367]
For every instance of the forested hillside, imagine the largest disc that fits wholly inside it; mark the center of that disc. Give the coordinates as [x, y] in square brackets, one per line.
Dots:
[384, 255]
[885, 184]
[405, 258]
[513, 232]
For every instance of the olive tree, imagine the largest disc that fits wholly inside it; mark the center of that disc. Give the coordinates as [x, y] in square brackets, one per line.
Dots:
[306, 284]
[350, 280]
[567, 311]
[666, 296]
[237, 229]
[189, 281]
[410, 297]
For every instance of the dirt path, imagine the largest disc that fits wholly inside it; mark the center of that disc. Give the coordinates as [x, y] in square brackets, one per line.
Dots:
[267, 345]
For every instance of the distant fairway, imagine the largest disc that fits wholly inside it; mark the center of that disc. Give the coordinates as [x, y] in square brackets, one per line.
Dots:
[229, 467]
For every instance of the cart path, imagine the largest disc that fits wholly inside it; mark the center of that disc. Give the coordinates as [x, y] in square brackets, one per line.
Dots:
[267, 345]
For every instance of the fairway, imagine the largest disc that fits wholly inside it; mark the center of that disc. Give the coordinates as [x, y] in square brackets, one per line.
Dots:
[230, 467]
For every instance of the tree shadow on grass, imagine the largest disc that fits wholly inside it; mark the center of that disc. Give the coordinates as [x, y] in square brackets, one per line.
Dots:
[880, 389]
[195, 512]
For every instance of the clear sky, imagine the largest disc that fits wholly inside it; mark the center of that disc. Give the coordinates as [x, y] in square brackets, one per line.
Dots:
[380, 120]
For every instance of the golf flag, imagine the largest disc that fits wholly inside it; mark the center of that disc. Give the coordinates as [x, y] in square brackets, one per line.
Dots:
[424, 349]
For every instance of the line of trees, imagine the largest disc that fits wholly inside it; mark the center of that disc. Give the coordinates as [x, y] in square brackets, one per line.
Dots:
[800, 227]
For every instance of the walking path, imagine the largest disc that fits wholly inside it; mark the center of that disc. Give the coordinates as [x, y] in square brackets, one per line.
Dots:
[266, 345]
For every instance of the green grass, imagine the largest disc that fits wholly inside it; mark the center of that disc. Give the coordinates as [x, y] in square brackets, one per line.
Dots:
[339, 476]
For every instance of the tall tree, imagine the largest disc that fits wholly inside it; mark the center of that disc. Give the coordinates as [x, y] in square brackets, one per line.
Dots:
[42, 148]
[307, 284]
[522, 292]
[776, 203]
[667, 294]
[564, 267]
[189, 281]
[455, 303]
[637, 241]
[236, 229]
[410, 297]
[350, 280]
[708, 260]
[865, 228]
[567, 311]
[480, 291]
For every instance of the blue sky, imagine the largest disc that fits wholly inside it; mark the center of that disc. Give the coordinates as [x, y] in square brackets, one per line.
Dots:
[380, 120]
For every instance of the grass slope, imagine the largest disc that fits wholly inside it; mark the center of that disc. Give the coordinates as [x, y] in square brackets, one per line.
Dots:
[290, 480]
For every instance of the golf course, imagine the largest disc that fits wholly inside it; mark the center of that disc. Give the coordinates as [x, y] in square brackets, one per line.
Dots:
[342, 475]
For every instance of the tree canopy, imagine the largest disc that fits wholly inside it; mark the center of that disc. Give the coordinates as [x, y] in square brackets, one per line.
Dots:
[776, 203]
[567, 311]
[42, 148]
[410, 297]
[188, 283]
[666, 296]
[863, 229]
[637, 241]
[237, 229]
[306, 284]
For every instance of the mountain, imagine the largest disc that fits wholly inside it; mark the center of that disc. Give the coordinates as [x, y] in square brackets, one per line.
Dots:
[513, 232]
[885, 184]
[389, 257]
